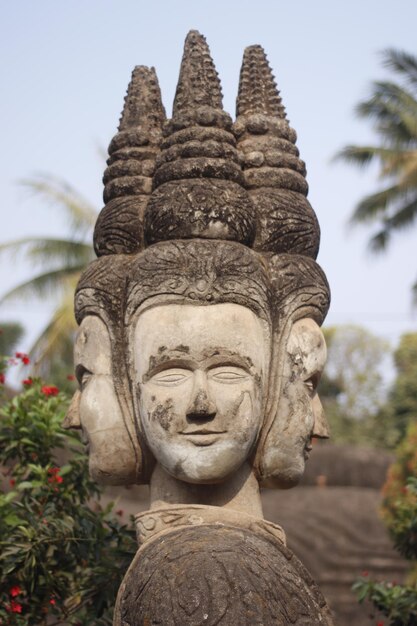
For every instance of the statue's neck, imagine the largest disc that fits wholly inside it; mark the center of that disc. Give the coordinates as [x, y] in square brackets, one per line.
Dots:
[240, 492]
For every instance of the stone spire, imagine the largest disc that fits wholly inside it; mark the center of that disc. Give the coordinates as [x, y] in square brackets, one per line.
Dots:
[131, 165]
[274, 173]
[198, 82]
[198, 179]
[257, 87]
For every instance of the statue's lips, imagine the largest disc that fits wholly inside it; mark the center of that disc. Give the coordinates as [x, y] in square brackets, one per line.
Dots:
[202, 436]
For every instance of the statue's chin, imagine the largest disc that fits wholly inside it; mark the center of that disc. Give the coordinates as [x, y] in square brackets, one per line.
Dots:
[201, 475]
[206, 469]
[111, 471]
[282, 471]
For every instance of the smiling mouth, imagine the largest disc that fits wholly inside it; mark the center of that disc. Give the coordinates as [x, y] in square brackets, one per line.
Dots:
[203, 436]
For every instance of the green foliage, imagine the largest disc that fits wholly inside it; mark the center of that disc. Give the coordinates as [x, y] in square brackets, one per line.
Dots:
[399, 511]
[10, 334]
[399, 507]
[61, 262]
[397, 602]
[62, 556]
[402, 400]
[392, 108]
[352, 389]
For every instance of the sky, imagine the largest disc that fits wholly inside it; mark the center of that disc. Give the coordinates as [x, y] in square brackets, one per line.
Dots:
[64, 72]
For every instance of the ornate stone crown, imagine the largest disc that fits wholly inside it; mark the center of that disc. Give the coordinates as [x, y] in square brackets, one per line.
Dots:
[200, 209]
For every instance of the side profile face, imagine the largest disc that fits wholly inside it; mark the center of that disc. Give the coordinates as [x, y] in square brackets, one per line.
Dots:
[95, 408]
[199, 372]
[300, 415]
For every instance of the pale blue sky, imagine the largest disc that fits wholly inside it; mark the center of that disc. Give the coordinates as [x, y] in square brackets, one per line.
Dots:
[65, 68]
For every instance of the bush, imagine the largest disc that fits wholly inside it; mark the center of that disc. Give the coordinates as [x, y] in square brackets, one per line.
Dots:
[62, 556]
[399, 512]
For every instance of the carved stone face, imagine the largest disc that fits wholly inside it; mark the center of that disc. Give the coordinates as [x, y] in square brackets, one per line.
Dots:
[199, 372]
[300, 414]
[95, 409]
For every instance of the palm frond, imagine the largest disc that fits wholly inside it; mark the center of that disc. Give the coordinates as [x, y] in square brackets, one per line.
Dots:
[379, 242]
[359, 155]
[395, 111]
[80, 213]
[53, 282]
[43, 251]
[414, 292]
[375, 205]
[403, 63]
[390, 158]
[54, 338]
[399, 220]
[404, 217]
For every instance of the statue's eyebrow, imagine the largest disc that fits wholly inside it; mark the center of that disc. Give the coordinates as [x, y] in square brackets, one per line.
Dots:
[210, 359]
[228, 357]
[172, 358]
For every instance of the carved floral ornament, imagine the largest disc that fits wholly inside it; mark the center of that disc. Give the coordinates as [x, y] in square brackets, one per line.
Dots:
[199, 348]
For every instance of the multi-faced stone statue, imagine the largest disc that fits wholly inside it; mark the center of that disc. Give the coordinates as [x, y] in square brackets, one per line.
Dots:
[199, 350]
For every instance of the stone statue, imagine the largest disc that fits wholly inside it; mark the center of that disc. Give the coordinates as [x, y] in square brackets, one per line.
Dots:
[200, 350]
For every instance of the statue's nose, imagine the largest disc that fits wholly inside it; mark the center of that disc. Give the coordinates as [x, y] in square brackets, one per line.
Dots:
[321, 427]
[72, 418]
[201, 408]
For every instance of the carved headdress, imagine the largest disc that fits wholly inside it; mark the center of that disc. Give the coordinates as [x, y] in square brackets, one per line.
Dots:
[202, 210]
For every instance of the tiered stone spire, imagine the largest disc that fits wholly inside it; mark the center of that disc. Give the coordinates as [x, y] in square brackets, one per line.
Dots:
[131, 165]
[274, 173]
[257, 88]
[197, 183]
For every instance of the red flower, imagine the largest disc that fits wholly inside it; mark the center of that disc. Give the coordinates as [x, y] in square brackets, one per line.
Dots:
[23, 357]
[15, 607]
[2, 378]
[365, 573]
[54, 478]
[119, 512]
[12, 484]
[52, 601]
[70, 377]
[27, 382]
[16, 590]
[49, 391]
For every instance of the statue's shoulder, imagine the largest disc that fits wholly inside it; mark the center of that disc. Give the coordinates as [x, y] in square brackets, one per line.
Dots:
[218, 574]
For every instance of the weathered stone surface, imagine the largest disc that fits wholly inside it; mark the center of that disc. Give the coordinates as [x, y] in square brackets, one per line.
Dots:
[286, 221]
[274, 173]
[343, 534]
[198, 180]
[218, 576]
[199, 349]
[213, 208]
[131, 165]
[200, 386]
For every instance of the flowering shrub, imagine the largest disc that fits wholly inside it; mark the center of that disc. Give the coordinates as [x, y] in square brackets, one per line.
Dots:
[62, 556]
[399, 511]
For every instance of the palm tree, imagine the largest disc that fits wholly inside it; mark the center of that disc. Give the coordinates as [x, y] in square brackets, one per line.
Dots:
[62, 261]
[392, 107]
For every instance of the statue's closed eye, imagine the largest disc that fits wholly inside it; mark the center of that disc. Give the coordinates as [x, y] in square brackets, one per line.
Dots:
[228, 375]
[171, 377]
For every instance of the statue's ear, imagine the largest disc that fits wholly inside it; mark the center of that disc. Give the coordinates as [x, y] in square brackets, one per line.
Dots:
[295, 412]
